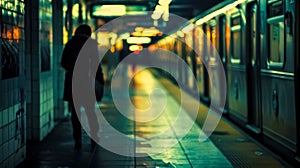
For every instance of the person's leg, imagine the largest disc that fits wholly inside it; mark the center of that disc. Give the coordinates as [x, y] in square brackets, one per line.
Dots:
[76, 127]
[93, 123]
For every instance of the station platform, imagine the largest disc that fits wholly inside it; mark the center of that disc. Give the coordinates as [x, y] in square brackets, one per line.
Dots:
[228, 146]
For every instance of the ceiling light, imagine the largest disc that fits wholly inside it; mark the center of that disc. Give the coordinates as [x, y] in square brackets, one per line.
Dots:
[138, 40]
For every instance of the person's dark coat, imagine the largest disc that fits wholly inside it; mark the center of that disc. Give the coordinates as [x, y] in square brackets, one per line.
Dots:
[69, 57]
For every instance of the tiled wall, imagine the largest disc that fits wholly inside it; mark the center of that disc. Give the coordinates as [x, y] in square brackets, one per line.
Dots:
[12, 94]
[12, 140]
[40, 106]
[28, 76]
[60, 107]
[46, 105]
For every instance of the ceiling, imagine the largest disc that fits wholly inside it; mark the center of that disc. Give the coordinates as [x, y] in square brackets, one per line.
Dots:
[184, 8]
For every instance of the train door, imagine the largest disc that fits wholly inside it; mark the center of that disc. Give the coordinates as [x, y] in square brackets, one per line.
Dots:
[181, 53]
[222, 52]
[222, 41]
[206, 51]
[190, 60]
[297, 62]
[198, 46]
[236, 68]
[253, 65]
[184, 68]
[278, 74]
[214, 65]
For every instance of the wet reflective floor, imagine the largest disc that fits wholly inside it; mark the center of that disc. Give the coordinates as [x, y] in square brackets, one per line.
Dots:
[147, 127]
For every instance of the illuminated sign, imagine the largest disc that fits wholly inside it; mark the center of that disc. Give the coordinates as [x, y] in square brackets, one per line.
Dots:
[117, 10]
[138, 40]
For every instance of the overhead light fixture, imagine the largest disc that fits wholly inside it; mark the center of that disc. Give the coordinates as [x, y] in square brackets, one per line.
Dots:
[117, 10]
[138, 40]
[164, 2]
[109, 10]
[146, 32]
[161, 10]
[125, 35]
[188, 28]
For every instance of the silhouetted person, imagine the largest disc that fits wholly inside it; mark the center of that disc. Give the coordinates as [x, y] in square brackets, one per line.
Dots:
[87, 76]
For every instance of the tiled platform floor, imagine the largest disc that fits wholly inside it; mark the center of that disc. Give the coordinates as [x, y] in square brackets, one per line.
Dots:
[143, 138]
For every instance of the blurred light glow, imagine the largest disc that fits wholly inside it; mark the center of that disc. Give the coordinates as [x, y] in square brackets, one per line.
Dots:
[113, 37]
[137, 13]
[166, 14]
[75, 10]
[152, 47]
[138, 40]
[164, 2]
[146, 32]
[119, 44]
[139, 29]
[125, 35]
[109, 10]
[135, 47]
[65, 8]
[188, 28]
[103, 38]
[180, 34]
[117, 10]
[150, 32]
[112, 49]
[161, 10]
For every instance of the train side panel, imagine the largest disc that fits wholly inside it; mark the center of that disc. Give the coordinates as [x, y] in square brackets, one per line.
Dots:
[236, 67]
[277, 73]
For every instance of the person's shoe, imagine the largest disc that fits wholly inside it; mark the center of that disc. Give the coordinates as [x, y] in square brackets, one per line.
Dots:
[77, 145]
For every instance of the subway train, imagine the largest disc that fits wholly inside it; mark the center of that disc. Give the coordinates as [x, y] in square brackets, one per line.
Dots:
[257, 42]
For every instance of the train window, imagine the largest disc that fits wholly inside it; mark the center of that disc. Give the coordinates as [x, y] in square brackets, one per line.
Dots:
[45, 34]
[253, 35]
[207, 43]
[199, 35]
[189, 41]
[235, 38]
[275, 9]
[276, 34]
[213, 38]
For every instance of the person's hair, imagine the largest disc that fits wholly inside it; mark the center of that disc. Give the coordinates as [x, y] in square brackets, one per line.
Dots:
[83, 29]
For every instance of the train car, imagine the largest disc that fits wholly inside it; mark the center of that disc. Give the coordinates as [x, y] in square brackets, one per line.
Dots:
[211, 41]
[224, 30]
[257, 43]
[260, 41]
[236, 65]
